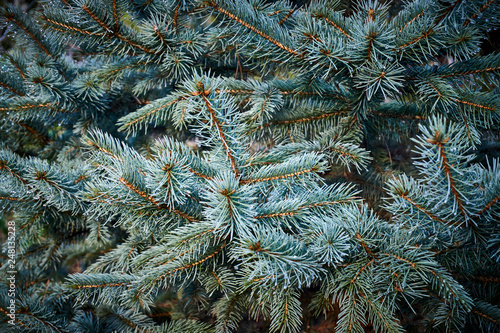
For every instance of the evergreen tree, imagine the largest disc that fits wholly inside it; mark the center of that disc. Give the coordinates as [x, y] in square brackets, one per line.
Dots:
[211, 165]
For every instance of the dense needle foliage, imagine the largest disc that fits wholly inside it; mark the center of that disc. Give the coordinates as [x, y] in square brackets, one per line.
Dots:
[232, 165]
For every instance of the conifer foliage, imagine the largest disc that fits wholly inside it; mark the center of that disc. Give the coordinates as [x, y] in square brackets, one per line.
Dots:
[120, 226]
